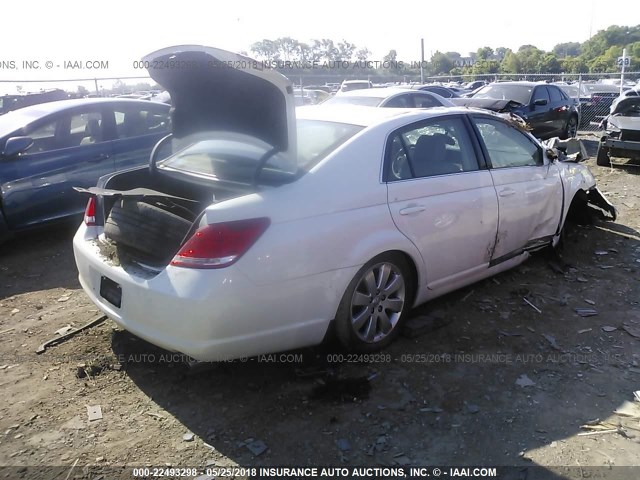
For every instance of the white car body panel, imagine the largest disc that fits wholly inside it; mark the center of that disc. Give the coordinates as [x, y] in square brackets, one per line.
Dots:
[285, 290]
[528, 205]
[452, 220]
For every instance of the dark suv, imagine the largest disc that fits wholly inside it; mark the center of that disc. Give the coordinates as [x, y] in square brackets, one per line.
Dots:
[548, 110]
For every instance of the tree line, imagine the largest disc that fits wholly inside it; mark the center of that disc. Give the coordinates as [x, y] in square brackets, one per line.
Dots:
[596, 55]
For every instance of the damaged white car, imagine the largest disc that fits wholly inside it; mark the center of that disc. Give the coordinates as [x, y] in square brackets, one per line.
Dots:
[263, 232]
[621, 136]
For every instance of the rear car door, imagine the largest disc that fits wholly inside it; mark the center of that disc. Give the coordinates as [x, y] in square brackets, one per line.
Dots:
[138, 127]
[529, 188]
[70, 149]
[441, 198]
[402, 100]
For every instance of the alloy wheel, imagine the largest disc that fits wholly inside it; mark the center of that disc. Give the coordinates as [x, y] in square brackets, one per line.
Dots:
[377, 302]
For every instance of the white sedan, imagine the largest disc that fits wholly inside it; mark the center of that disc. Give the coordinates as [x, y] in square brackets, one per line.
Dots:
[266, 229]
[389, 97]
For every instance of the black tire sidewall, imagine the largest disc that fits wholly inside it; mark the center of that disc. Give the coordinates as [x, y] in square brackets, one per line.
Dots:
[602, 157]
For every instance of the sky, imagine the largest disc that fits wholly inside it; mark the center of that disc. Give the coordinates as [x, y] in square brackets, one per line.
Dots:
[121, 32]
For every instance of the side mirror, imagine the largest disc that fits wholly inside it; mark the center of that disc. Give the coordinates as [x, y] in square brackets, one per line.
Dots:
[17, 145]
[540, 102]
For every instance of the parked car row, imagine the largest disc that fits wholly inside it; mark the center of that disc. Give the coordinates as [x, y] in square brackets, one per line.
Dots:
[268, 229]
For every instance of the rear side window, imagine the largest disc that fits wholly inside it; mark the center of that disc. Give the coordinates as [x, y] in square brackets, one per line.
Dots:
[133, 121]
[400, 101]
[425, 101]
[435, 147]
[506, 145]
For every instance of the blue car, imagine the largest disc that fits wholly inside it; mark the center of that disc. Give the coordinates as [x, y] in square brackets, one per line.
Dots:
[47, 149]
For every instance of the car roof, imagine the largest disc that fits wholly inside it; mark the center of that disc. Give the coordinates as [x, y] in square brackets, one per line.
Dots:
[60, 105]
[12, 121]
[382, 92]
[369, 116]
[523, 83]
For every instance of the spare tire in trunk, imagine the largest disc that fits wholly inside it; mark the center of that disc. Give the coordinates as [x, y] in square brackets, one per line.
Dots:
[146, 227]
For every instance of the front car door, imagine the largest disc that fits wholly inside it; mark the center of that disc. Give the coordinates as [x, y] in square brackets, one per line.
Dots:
[561, 105]
[541, 116]
[70, 149]
[529, 188]
[441, 197]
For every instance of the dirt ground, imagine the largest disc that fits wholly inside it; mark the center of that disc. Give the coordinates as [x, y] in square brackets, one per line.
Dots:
[503, 382]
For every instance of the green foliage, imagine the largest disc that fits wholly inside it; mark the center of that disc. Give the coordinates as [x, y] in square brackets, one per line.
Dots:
[485, 53]
[598, 54]
[441, 64]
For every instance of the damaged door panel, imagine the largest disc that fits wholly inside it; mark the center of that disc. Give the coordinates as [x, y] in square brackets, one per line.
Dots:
[528, 187]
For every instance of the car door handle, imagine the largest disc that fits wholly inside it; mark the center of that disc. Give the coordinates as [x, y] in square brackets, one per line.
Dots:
[102, 156]
[506, 192]
[413, 209]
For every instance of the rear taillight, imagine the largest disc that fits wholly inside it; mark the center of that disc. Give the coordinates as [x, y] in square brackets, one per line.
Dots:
[90, 212]
[221, 244]
[596, 99]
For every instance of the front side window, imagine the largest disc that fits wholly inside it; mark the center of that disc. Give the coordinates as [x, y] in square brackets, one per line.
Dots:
[555, 94]
[67, 131]
[437, 147]
[506, 145]
[540, 93]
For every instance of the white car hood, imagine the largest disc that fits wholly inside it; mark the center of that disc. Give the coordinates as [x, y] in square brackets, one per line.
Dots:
[213, 90]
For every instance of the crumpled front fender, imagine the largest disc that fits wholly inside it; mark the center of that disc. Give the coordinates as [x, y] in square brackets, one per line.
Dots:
[597, 198]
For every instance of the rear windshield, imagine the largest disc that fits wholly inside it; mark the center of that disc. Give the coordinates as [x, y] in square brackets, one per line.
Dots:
[237, 161]
[353, 100]
[517, 93]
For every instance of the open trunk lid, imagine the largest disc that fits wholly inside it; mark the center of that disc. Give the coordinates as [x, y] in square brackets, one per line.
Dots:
[214, 90]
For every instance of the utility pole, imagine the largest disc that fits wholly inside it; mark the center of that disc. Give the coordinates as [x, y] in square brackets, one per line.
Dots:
[624, 60]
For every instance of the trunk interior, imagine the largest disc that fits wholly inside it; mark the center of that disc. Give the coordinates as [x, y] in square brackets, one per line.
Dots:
[144, 232]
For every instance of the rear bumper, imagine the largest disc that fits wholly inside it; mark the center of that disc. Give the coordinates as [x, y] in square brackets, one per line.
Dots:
[210, 315]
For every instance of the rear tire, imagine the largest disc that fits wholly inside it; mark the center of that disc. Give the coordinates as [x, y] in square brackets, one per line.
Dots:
[602, 159]
[375, 304]
[146, 228]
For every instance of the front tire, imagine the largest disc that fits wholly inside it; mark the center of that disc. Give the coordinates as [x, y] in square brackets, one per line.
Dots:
[602, 159]
[375, 304]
